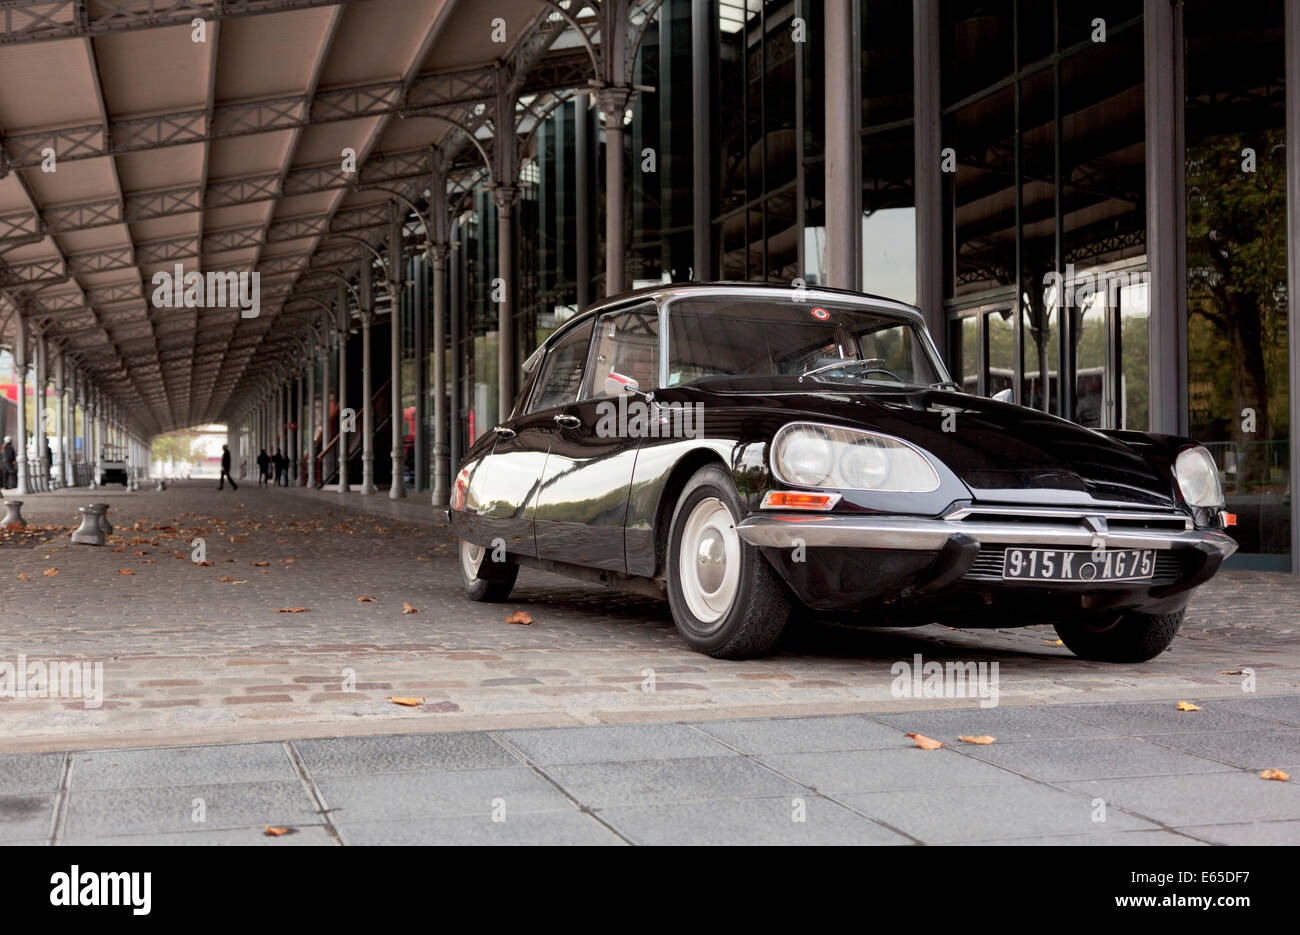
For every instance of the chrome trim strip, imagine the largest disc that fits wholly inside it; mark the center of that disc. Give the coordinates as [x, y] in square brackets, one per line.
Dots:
[1079, 513]
[917, 533]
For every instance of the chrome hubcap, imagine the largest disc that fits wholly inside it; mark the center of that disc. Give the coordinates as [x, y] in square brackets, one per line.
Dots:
[471, 556]
[709, 561]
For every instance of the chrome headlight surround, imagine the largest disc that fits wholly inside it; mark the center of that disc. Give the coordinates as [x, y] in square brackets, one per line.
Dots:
[1197, 478]
[810, 454]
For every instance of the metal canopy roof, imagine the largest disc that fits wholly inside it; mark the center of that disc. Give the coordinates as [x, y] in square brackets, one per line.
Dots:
[218, 145]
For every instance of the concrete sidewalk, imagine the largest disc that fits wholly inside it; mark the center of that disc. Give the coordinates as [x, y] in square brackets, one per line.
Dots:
[1066, 774]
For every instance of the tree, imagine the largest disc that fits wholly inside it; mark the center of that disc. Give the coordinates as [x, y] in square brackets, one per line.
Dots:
[1236, 261]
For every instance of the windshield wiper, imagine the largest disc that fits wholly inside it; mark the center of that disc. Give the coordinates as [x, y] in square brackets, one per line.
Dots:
[839, 364]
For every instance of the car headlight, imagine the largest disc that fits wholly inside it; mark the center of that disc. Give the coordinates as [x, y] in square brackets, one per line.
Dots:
[1198, 478]
[809, 455]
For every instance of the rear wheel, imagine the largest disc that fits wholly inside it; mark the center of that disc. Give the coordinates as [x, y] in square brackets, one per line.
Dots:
[726, 599]
[484, 579]
[1131, 637]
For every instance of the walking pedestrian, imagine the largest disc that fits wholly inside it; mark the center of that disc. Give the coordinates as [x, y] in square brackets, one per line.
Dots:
[281, 469]
[263, 468]
[225, 470]
[10, 464]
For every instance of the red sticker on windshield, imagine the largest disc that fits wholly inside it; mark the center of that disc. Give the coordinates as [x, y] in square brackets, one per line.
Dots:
[820, 314]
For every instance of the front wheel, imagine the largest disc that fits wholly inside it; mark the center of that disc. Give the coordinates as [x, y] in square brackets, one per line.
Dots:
[484, 579]
[726, 599]
[1130, 637]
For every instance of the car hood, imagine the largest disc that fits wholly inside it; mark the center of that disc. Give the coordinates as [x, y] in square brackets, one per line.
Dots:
[1003, 453]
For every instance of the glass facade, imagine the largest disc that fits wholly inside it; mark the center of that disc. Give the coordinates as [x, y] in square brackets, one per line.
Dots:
[1238, 380]
[1042, 109]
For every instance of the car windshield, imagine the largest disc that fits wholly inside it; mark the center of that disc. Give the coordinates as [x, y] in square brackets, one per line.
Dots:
[820, 342]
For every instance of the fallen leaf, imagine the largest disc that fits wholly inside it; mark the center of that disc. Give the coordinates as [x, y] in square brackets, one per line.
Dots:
[203, 564]
[259, 564]
[408, 702]
[228, 578]
[290, 610]
[1231, 672]
[1188, 706]
[22, 576]
[125, 571]
[366, 599]
[1053, 642]
[520, 616]
[275, 832]
[120, 548]
[236, 538]
[421, 558]
[408, 609]
[288, 561]
[1276, 774]
[924, 742]
[50, 572]
[984, 738]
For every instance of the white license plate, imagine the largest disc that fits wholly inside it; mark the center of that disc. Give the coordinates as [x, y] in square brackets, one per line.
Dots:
[1082, 565]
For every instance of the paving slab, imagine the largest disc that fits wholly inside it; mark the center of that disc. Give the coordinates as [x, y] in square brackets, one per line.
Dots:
[878, 770]
[397, 796]
[987, 813]
[180, 766]
[1006, 724]
[1199, 799]
[613, 743]
[158, 809]
[671, 781]
[798, 821]
[802, 734]
[1101, 758]
[1246, 749]
[25, 816]
[365, 756]
[30, 772]
[529, 828]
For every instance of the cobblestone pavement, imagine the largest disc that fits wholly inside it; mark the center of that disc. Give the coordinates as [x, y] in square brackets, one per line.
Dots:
[198, 653]
[1146, 774]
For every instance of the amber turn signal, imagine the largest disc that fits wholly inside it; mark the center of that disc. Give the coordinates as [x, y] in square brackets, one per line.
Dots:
[790, 500]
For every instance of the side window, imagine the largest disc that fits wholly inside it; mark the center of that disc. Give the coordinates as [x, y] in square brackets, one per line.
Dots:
[561, 375]
[627, 342]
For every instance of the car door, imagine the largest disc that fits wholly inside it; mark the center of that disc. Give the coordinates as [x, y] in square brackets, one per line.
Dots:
[582, 504]
[504, 488]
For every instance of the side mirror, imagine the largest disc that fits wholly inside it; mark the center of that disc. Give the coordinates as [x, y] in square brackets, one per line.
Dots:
[1002, 396]
[616, 384]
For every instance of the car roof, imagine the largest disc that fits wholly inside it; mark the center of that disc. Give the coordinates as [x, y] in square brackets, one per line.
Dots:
[670, 290]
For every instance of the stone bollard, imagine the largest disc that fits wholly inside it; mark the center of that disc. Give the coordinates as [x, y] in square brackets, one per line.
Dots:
[13, 513]
[104, 525]
[90, 532]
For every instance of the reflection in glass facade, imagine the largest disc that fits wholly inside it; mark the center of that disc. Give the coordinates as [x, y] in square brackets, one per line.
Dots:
[1238, 380]
[1043, 109]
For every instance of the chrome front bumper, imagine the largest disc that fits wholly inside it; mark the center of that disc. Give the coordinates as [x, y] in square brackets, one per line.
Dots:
[909, 533]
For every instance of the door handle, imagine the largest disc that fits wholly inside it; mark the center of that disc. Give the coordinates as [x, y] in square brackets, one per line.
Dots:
[567, 421]
[503, 431]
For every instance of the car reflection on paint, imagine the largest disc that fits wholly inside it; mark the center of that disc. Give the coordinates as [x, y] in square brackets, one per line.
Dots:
[829, 464]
